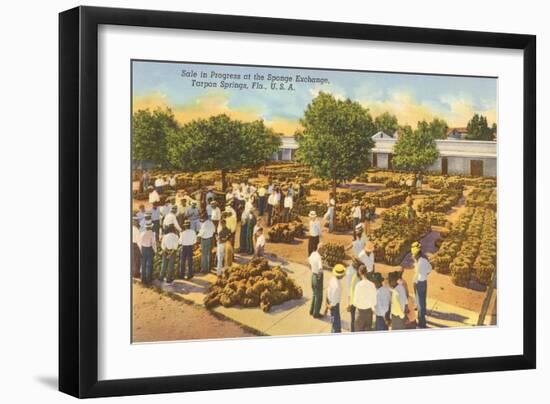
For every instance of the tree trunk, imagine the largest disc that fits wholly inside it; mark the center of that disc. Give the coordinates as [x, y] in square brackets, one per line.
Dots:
[223, 180]
[334, 193]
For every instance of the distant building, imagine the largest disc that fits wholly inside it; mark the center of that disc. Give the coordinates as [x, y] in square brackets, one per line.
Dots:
[465, 157]
[287, 150]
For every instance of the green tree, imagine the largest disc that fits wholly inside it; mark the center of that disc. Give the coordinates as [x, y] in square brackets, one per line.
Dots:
[415, 150]
[439, 128]
[336, 138]
[386, 123]
[150, 133]
[221, 143]
[478, 129]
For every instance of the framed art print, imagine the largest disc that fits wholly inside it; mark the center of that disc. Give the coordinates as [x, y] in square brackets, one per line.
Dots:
[269, 201]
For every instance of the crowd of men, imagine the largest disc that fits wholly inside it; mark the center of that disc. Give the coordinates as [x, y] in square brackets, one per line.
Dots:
[176, 222]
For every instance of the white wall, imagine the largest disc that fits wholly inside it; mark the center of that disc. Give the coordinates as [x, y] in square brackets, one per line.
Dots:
[28, 79]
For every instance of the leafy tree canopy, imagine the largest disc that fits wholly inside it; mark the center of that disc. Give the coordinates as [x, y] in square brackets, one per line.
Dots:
[386, 123]
[151, 131]
[439, 128]
[415, 150]
[336, 138]
[478, 129]
[221, 143]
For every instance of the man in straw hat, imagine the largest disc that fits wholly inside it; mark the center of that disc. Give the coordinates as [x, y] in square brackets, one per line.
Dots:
[366, 256]
[171, 219]
[193, 215]
[359, 242]
[231, 221]
[216, 214]
[355, 216]
[314, 232]
[316, 265]
[422, 269]
[136, 252]
[148, 246]
[206, 235]
[334, 295]
[329, 216]
[188, 238]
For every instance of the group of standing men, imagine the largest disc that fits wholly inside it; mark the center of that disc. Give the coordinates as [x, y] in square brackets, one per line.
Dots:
[370, 296]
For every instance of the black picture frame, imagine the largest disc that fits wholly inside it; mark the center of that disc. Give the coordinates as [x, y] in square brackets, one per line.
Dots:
[78, 196]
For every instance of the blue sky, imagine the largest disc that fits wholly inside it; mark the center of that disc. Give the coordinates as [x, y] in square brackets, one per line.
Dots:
[410, 97]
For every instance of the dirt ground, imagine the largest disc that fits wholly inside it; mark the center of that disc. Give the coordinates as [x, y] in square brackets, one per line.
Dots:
[158, 317]
[440, 286]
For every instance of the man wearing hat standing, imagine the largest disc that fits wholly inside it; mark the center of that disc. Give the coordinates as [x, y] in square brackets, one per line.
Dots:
[314, 232]
[329, 216]
[171, 218]
[366, 256]
[192, 214]
[355, 216]
[358, 244]
[148, 246]
[272, 204]
[334, 294]
[316, 264]
[261, 199]
[398, 305]
[422, 269]
[231, 221]
[188, 238]
[136, 252]
[169, 246]
[216, 214]
[155, 217]
[206, 235]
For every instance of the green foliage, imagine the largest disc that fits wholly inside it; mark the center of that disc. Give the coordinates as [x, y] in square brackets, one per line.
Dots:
[438, 128]
[415, 150]
[386, 123]
[478, 129]
[151, 133]
[221, 143]
[336, 138]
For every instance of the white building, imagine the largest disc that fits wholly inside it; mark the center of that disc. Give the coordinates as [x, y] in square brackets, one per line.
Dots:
[466, 157]
[287, 149]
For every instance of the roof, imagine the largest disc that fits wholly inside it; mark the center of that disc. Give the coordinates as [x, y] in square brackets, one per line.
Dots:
[384, 135]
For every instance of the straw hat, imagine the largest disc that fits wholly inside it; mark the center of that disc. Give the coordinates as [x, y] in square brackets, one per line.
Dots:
[359, 227]
[312, 214]
[339, 270]
[416, 247]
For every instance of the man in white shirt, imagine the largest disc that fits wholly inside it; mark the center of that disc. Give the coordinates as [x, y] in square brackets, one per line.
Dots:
[159, 184]
[188, 238]
[366, 256]
[334, 295]
[358, 244]
[261, 199]
[287, 205]
[148, 246]
[136, 252]
[316, 265]
[153, 195]
[329, 215]
[364, 300]
[355, 216]
[272, 203]
[383, 301]
[314, 232]
[260, 242]
[192, 214]
[172, 182]
[422, 268]
[169, 247]
[398, 305]
[352, 278]
[171, 219]
[216, 214]
[206, 234]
